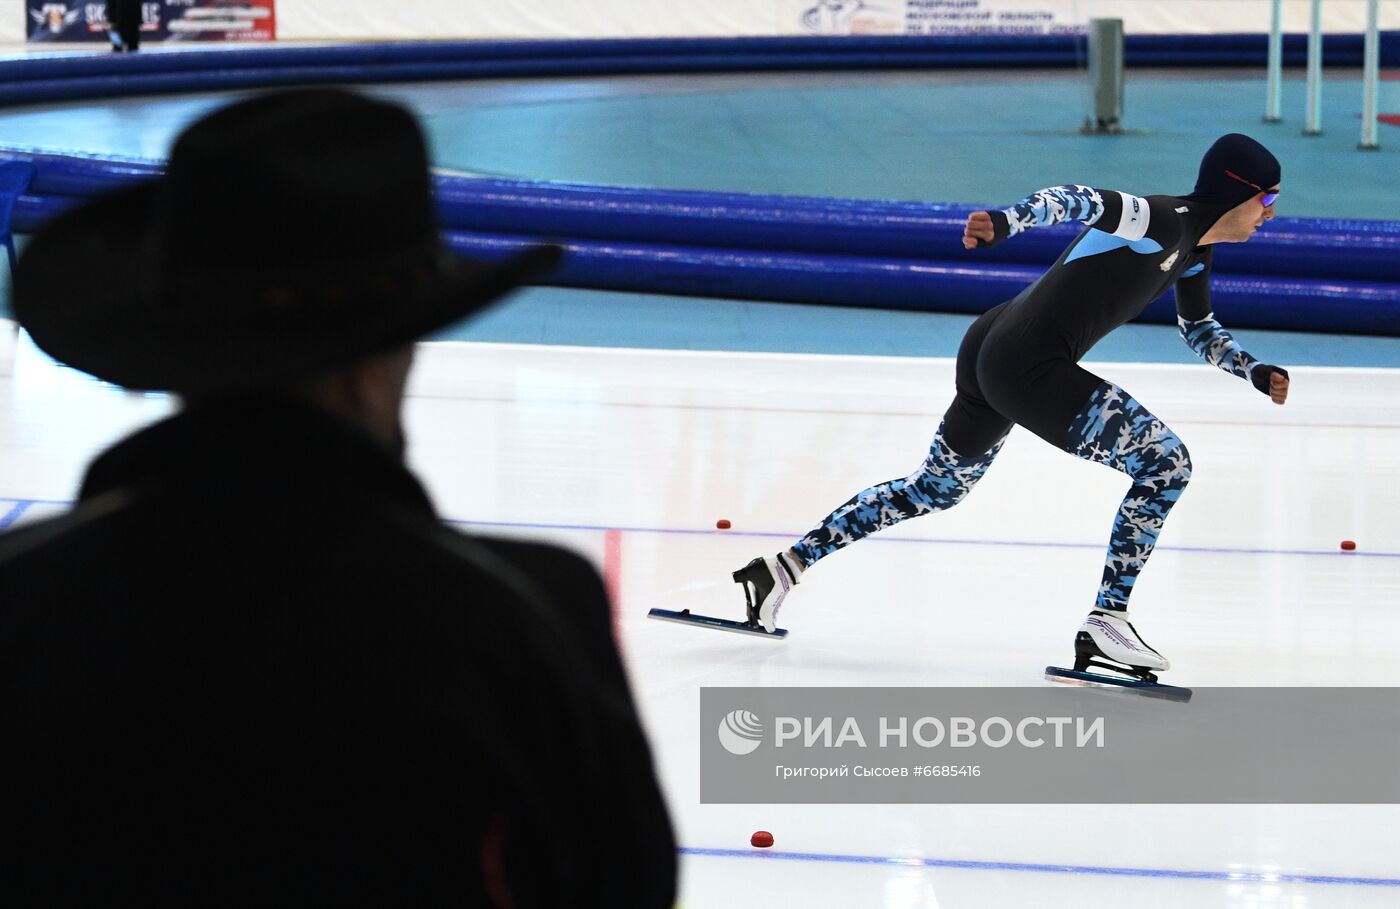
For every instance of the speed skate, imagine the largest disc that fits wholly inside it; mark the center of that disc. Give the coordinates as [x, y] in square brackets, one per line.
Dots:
[1108, 640]
[686, 617]
[766, 582]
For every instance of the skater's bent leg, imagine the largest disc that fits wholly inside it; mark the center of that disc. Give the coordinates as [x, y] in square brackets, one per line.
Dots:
[943, 480]
[1114, 429]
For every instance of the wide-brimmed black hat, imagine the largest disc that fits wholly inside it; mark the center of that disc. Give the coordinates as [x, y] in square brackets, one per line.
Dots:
[291, 234]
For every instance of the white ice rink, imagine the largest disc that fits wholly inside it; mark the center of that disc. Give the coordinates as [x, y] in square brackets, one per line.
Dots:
[631, 457]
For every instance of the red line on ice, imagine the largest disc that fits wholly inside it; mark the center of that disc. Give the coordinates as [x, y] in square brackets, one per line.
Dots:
[612, 575]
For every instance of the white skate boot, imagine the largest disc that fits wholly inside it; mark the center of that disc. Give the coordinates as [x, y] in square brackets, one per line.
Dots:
[766, 583]
[1108, 640]
[1111, 635]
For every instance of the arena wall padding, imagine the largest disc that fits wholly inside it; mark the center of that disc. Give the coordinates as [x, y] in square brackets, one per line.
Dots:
[1352, 307]
[1296, 247]
[97, 76]
[1305, 274]
[1289, 247]
[83, 175]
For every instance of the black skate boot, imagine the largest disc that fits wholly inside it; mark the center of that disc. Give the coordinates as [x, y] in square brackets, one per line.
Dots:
[766, 584]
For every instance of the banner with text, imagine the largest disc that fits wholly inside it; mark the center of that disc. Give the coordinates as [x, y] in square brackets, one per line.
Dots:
[332, 20]
[1047, 17]
[161, 20]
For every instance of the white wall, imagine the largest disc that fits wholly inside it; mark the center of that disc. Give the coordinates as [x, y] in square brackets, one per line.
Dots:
[11, 21]
[356, 19]
[410, 19]
[359, 19]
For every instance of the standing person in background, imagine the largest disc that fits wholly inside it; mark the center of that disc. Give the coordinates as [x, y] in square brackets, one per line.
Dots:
[124, 21]
[1019, 365]
[252, 666]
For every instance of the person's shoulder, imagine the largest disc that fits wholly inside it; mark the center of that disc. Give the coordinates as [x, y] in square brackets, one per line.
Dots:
[542, 564]
[1170, 208]
[559, 576]
[543, 561]
[553, 577]
[87, 521]
[574, 591]
[1166, 222]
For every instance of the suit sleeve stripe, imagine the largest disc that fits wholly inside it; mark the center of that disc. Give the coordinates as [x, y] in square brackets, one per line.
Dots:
[1132, 226]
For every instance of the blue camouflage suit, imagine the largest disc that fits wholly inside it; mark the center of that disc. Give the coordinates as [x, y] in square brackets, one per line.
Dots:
[1019, 364]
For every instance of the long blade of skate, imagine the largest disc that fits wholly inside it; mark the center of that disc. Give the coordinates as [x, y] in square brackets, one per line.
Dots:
[686, 617]
[1137, 686]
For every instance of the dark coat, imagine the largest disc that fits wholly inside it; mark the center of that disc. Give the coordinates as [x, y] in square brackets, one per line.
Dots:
[253, 667]
[124, 17]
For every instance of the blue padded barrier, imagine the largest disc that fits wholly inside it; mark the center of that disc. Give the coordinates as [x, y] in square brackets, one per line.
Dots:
[1246, 302]
[1368, 250]
[840, 251]
[82, 175]
[72, 77]
[696, 218]
[1354, 249]
[752, 274]
[389, 54]
[1297, 304]
[265, 75]
[1247, 49]
[32, 211]
[1285, 247]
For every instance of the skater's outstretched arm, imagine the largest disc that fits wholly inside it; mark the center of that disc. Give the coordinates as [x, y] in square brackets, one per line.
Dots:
[1113, 212]
[1212, 343]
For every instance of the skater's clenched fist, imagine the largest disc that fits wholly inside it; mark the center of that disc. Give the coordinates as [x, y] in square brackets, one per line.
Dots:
[979, 227]
[1272, 381]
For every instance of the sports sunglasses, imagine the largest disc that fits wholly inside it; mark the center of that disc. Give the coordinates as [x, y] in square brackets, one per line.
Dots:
[1269, 197]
